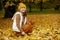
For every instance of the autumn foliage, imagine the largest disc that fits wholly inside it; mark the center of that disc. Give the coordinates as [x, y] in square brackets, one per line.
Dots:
[44, 27]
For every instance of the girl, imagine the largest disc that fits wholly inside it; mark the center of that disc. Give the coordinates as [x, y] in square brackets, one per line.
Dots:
[19, 18]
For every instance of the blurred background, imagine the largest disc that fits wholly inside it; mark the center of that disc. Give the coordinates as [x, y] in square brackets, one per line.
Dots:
[8, 7]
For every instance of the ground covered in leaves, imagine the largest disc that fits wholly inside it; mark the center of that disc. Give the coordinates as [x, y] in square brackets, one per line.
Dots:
[46, 27]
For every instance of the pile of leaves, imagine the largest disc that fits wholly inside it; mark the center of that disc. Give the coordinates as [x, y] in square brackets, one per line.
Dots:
[46, 27]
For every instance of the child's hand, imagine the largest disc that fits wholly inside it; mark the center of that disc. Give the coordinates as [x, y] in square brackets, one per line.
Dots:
[23, 33]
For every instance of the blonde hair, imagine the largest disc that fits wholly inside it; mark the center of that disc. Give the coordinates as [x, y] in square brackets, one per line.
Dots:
[21, 5]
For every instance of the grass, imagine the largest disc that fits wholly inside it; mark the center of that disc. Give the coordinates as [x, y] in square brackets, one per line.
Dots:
[2, 12]
[36, 11]
[45, 11]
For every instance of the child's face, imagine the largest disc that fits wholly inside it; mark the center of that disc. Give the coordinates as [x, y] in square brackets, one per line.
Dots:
[23, 9]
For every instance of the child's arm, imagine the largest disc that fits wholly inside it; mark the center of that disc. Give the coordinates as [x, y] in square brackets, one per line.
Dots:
[18, 22]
